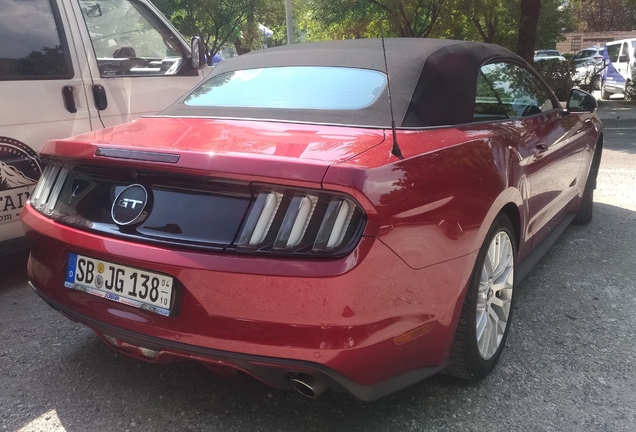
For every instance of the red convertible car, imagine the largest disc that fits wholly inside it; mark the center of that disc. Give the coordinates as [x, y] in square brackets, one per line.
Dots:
[349, 214]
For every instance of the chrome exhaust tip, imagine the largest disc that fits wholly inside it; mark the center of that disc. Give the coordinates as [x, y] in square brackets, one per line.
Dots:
[307, 385]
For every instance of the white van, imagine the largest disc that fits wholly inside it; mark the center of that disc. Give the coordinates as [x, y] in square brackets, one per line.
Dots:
[71, 66]
[618, 58]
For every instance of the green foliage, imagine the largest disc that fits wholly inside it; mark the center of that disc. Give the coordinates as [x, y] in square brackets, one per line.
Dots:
[497, 21]
[361, 18]
[556, 18]
[604, 15]
[215, 21]
[558, 75]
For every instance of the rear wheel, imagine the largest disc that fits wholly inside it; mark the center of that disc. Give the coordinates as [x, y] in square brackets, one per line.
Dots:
[628, 92]
[584, 215]
[487, 311]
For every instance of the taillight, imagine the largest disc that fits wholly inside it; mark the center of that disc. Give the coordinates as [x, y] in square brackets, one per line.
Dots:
[301, 222]
[47, 191]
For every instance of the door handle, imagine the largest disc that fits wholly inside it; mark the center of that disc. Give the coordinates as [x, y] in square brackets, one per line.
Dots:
[539, 150]
[69, 99]
[99, 95]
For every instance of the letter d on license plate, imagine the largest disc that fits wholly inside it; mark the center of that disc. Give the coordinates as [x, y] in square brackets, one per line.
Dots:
[128, 285]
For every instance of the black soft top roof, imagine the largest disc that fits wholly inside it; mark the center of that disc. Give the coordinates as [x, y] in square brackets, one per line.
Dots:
[433, 81]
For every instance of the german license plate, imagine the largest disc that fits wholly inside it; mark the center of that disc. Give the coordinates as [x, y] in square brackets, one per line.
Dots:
[128, 285]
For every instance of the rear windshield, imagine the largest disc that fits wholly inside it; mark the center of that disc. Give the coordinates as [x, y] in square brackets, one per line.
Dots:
[292, 87]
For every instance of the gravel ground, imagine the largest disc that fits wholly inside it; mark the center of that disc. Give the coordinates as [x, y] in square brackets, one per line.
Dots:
[569, 364]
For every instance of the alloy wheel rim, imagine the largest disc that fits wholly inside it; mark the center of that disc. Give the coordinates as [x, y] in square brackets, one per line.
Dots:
[494, 296]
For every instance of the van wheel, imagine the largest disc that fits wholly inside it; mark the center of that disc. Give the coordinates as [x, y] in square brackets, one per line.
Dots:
[605, 95]
[487, 311]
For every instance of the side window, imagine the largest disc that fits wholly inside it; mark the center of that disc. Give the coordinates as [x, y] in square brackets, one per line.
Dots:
[488, 106]
[129, 39]
[33, 43]
[613, 51]
[624, 57]
[518, 90]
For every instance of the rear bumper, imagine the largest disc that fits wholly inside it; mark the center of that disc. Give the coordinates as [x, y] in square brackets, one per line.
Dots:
[274, 371]
[343, 321]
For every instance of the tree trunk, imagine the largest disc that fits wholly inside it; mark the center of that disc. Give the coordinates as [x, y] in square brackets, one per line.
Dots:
[528, 23]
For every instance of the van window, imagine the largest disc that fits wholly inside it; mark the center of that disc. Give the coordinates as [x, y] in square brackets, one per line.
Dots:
[128, 39]
[32, 45]
[624, 57]
[613, 51]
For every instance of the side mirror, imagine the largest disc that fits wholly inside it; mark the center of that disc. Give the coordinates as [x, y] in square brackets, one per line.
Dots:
[198, 53]
[623, 59]
[93, 11]
[581, 101]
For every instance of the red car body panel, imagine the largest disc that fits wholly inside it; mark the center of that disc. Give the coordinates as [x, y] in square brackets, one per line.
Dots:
[256, 151]
[264, 310]
[318, 228]
[337, 313]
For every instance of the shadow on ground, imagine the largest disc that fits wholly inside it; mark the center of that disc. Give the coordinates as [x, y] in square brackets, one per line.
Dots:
[53, 367]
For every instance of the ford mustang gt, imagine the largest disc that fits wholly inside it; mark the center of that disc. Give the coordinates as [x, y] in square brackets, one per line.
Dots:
[352, 215]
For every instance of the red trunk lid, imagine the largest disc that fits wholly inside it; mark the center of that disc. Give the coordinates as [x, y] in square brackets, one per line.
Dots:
[240, 149]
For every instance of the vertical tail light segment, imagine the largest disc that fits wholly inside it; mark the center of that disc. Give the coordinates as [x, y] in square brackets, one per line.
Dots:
[294, 221]
[47, 191]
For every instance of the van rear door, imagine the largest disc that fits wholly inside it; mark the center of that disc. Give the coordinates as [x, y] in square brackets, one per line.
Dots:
[139, 63]
[618, 70]
[42, 97]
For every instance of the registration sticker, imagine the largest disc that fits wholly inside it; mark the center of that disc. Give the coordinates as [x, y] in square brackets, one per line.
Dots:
[122, 284]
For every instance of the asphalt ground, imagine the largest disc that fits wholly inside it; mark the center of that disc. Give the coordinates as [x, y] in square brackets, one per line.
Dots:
[569, 364]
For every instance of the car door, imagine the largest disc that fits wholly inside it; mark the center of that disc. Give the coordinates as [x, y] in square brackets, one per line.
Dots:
[138, 61]
[551, 144]
[42, 97]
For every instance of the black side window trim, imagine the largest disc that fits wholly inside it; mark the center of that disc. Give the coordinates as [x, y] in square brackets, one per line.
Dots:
[65, 51]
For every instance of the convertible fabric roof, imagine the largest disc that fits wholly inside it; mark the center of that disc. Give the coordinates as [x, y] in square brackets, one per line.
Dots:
[433, 82]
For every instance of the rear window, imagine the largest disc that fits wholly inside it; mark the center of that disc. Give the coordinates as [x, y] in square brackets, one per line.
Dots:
[292, 87]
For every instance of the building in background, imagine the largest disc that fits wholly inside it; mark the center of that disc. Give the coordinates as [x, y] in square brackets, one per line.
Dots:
[575, 42]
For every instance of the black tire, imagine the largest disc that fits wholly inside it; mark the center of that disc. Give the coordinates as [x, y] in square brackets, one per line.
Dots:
[627, 93]
[465, 360]
[585, 213]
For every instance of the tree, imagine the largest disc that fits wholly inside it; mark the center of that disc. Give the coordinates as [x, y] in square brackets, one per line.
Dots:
[361, 18]
[410, 18]
[528, 24]
[215, 21]
[605, 15]
[486, 16]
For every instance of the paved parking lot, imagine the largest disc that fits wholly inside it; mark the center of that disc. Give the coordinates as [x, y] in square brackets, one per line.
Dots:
[570, 362]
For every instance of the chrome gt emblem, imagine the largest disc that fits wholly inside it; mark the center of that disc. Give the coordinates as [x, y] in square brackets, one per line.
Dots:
[130, 205]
